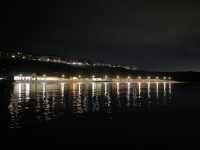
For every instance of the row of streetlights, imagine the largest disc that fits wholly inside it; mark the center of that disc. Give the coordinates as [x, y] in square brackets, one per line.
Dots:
[106, 77]
[129, 77]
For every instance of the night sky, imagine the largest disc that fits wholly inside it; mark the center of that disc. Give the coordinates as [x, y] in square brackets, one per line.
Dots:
[149, 34]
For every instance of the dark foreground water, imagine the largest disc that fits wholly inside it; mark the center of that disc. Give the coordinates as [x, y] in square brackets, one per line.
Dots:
[100, 112]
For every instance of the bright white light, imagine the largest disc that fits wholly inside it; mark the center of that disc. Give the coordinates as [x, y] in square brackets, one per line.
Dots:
[97, 79]
[106, 88]
[16, 78]
[79, 89]
[27, 91]
[149, 89]
[128, 91]
[93, 88]
[76, 63]
[20, 77]
[27, 78]
[75, 78]
[43, 89]
[48, 78]
[13, 56]
[139, 89]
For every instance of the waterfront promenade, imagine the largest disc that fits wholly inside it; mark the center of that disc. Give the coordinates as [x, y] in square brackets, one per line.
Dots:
[45, 78]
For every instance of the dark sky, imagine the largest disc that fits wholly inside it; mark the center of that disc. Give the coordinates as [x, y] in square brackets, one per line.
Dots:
[150, 34]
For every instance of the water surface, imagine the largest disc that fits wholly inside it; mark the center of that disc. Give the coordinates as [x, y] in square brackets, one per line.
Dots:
[95, 108]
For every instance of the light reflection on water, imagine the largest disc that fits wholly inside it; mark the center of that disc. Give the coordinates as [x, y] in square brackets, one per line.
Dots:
[47, 101]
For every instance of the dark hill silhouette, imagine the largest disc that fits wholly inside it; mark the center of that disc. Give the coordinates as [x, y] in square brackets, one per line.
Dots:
[16, 66]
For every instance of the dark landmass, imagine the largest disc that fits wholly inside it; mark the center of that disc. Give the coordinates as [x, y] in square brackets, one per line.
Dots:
[9, 67]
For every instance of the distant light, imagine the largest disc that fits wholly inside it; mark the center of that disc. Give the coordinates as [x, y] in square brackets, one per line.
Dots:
[21, 77]
[106, 77]
[77, 63]
[117, 77]
[139, 77]
[17, 78]
[79, 76]
[13, 56]
[44, 75]
[148, 77]
[164, 78]
[129, 77]
[75, 78]
[157, 77]
[169, 78]
[63, 76]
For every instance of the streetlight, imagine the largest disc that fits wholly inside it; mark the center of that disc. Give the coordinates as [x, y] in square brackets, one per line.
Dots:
[93, 77]
[74, 78]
